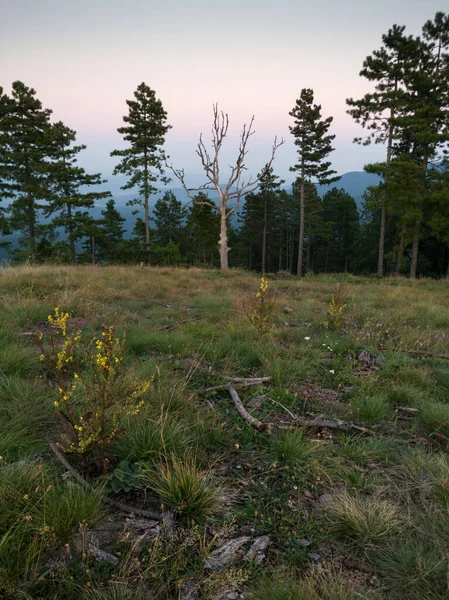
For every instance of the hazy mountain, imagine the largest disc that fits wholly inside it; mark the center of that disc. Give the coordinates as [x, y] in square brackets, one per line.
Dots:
[354, 182]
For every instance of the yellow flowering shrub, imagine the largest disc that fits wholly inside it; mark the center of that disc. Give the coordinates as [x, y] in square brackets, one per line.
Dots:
[94, 394]
[337, 308]
[260, 310]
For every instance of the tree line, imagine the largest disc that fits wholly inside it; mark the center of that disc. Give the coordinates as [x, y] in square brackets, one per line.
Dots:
[258, 223]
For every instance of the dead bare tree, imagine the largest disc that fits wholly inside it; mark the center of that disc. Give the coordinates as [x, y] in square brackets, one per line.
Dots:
[236, 187]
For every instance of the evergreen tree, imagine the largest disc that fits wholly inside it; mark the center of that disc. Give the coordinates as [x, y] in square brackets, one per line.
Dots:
[340, 213]
[424, 127]
[143, 161]
[313, 144]
[110, 236]
[26, 143]
[169, 215]
[5, 192]
[203, 230]
[314, 226]
[377, 110]
[260, 222]
[67, 182]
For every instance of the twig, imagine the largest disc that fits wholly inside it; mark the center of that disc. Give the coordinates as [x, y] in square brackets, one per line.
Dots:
[175, 325]
[240, 381]
[408, 409]
[284, 407]
[124, 507]
[318, 423]
[249, 380]
[245, 414]
[180, 308]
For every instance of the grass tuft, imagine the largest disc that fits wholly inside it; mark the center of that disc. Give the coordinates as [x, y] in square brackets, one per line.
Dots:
[183, 488]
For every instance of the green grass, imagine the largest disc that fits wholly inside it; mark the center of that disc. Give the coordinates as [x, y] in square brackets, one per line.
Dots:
[381, 499]
[184, 488]
[361, 522]
[291, 448]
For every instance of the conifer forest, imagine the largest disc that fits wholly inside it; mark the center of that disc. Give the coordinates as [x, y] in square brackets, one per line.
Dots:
[258, 223]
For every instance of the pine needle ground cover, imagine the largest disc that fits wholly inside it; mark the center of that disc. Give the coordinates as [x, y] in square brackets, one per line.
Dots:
[327, 478]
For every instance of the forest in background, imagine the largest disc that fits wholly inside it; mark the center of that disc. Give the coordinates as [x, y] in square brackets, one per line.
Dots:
[51, 205]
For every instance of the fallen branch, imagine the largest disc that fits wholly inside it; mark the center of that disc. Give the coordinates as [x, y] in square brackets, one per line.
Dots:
[168, 519]
[180, 308]
[318, 423]
[175, 325]
[240, 381]
[249, 380]
[408, 409]
[245, 414]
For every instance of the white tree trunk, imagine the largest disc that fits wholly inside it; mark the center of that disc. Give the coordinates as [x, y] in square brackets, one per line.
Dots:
[223, 241]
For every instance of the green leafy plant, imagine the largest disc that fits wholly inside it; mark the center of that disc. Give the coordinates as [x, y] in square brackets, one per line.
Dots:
[123, 479]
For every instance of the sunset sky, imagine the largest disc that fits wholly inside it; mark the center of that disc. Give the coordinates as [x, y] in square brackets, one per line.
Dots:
[86, 57]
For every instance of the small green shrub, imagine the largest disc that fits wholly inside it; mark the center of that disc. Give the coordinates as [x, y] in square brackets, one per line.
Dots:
[260, 310]
[337, 308]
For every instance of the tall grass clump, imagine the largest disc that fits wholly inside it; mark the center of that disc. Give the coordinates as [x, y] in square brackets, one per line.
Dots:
[362, 522]
[184, 488]
[291, 448]
[414, 569]
[319, 585]
[149, 440]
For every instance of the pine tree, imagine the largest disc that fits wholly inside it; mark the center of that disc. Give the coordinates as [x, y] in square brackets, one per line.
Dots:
[143, 161]
[313, 144]
[340, 212]
[203, 230]
[424, 127]
[5, 192]
[26, 144]
[169, 215]
[377, 110]
[67, 182]
[110, 236]
[260, 221]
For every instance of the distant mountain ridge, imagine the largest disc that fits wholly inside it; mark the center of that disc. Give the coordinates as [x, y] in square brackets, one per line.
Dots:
[354, 183]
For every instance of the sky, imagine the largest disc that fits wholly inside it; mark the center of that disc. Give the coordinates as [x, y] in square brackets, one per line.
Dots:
[84, 58]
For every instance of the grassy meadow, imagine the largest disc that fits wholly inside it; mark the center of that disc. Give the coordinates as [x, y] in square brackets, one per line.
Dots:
[350, 512]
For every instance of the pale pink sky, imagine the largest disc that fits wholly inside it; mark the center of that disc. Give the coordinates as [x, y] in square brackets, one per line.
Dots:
[85, 58]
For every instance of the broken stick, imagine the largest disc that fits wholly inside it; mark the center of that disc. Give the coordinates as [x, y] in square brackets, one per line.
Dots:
[124, 507]
[245, 414]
